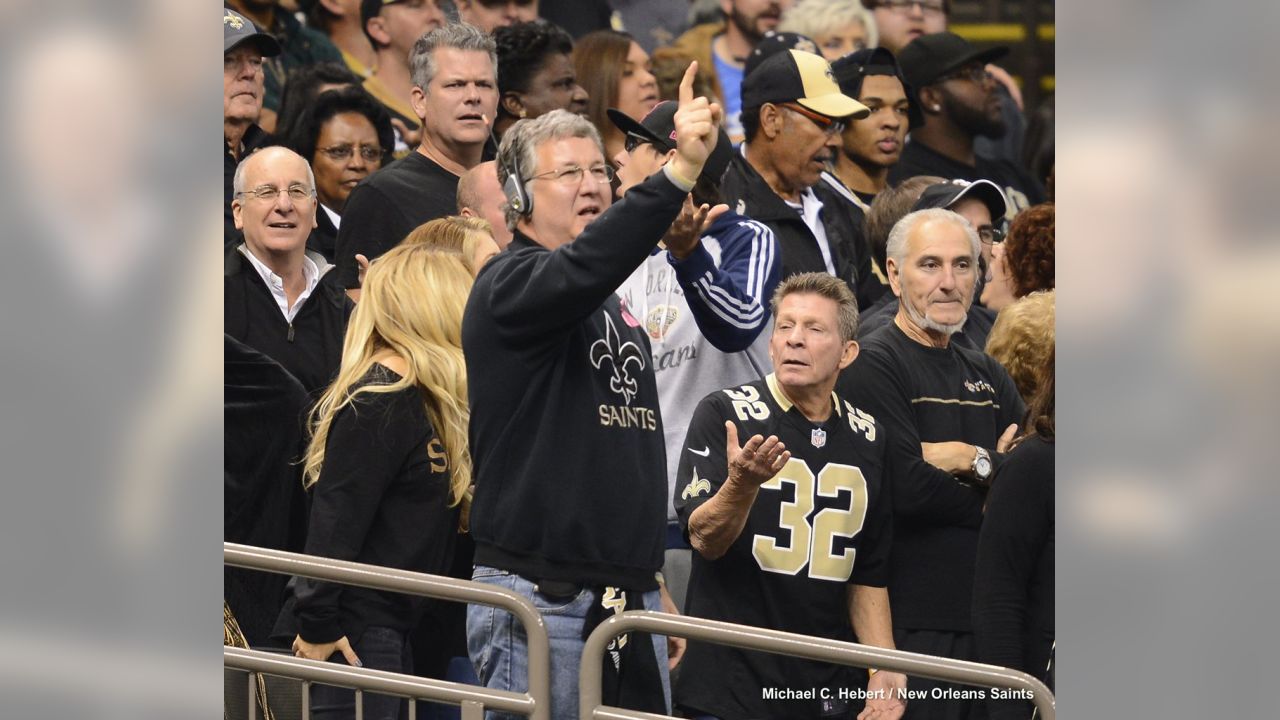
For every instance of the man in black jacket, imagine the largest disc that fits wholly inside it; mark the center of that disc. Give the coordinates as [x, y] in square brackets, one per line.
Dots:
[793, 113]
[570, 501]
[948, 413]
[278, 298]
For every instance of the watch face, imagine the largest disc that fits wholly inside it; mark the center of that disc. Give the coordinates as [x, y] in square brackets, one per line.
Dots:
[983, 466]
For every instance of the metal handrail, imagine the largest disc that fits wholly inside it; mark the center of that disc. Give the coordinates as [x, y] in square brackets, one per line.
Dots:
[536, 703]
[784, 643]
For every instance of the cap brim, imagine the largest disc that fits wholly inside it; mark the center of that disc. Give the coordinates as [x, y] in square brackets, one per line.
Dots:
[982, 56]
[267, 45]
[991, 54]
[630, 126]
[836, 105]
[989, 193]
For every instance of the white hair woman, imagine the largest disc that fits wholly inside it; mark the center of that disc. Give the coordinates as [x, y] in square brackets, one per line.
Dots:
[839, 27]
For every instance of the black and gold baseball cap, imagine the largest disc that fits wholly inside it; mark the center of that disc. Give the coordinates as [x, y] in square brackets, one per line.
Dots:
[802, 78]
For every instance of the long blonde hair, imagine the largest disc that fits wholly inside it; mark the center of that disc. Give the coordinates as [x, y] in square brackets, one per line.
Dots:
[412, 306]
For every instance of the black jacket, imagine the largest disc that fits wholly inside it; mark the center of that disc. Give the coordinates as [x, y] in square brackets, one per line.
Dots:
[570, 462]
[747, 193]
[324, 238]
[382, 499]
[310, 347]
[263, 503]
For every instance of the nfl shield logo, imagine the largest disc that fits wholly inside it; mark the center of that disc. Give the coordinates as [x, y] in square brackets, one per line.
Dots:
[818, 437]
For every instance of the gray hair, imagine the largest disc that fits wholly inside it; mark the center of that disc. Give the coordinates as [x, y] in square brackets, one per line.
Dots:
[459, 36]
[812, 18]
[519, 148]
[896, 248]
[237, 181]
[827, 286]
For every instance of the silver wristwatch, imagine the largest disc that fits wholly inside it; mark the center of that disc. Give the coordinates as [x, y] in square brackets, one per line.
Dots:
[982, 465]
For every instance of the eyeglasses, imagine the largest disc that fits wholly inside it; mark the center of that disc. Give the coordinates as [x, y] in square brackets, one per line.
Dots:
[634, 141]
[573, 175]
[934, 7]
[976, 73]
[990, 235]
[297, 193]
[342, 153]
[828, 125]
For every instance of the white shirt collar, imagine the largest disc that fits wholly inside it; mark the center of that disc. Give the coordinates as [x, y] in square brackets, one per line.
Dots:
[334, 217]
[310, 273]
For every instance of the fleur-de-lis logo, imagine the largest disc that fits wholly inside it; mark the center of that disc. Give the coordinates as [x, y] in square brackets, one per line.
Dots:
[696, 486]
[621, 356]
[235, 22]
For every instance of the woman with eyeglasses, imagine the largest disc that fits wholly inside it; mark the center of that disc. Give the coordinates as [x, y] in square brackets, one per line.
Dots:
[346, 136]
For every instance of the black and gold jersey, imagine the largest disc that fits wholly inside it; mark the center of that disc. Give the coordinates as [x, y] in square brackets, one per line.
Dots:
[822, 523]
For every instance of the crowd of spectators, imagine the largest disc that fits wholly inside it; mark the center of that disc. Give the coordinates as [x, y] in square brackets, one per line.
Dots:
[745, 312]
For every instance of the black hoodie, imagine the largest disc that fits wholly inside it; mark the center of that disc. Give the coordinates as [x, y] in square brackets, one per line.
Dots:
[570, 464]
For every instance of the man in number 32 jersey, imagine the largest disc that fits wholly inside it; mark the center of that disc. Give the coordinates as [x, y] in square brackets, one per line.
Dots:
[791, 530]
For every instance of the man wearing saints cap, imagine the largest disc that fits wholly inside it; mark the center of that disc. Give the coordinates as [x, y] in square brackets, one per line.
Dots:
[793, 114]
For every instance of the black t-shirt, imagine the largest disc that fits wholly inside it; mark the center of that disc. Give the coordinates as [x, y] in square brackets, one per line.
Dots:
[387, 206]
[1020, 188]
[823, 523]
[383, 499]
[928, 394]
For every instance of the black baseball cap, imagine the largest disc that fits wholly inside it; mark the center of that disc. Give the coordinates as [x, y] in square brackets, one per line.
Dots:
[853, 68]
[929, 58]
[947, 194]
[659, 128]
[371, 8]
[802, 78]
[775, 42]
[238, 29]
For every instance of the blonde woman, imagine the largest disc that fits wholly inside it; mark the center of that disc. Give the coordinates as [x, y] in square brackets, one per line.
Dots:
[470, 236]
[839, 27]
[388, 465]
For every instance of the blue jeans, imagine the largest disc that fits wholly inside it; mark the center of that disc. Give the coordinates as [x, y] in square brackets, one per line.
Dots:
[499, 647]
[379, 648]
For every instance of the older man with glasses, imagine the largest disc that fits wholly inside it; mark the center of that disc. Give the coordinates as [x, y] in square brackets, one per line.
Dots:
[793, 115]
[278, 297]
[566, 433]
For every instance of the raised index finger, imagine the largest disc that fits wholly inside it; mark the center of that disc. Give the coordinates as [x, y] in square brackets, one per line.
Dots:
[686, 84]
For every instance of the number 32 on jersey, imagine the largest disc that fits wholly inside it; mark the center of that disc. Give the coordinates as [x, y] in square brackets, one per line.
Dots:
[813, 540]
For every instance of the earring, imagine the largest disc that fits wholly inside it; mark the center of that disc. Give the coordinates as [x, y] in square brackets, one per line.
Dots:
[523, 113]
[935, 108]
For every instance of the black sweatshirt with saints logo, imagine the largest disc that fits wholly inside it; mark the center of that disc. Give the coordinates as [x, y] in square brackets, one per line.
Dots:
[570, 463]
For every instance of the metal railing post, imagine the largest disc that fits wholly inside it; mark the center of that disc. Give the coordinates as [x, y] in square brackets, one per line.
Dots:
[412, 583]
[784, 643]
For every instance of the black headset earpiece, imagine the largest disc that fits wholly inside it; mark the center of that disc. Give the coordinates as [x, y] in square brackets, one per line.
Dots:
[515, 190]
